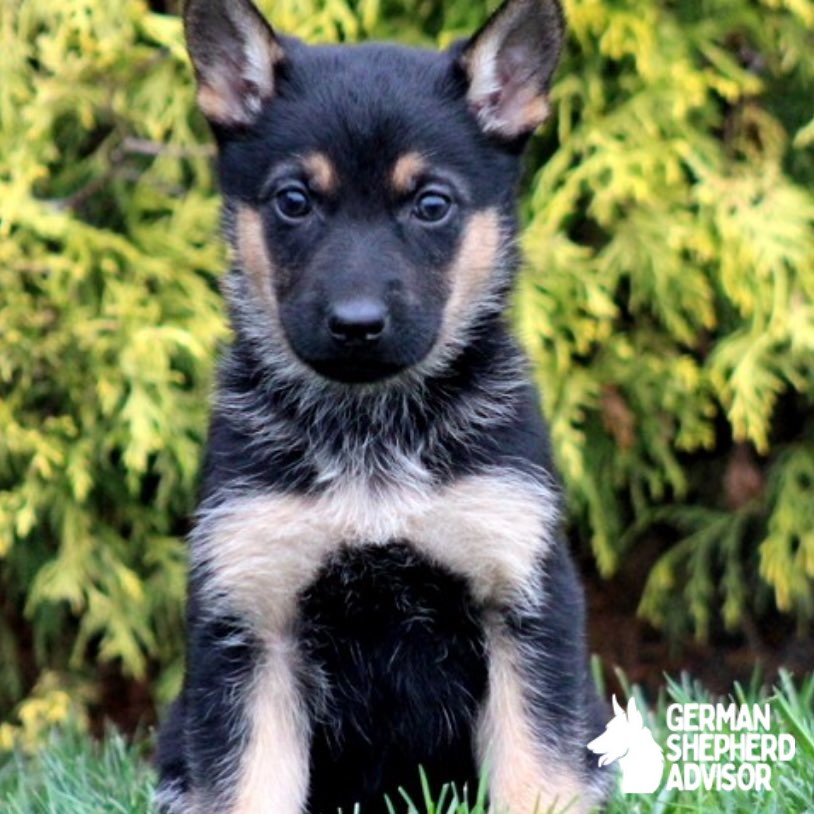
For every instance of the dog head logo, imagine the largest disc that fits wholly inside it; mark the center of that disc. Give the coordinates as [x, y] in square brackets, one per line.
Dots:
[627, 740]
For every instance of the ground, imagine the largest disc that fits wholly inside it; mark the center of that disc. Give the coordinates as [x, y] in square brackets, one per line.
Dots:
[76, 774]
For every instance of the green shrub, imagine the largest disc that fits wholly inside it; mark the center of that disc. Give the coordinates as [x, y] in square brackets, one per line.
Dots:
[109, 322]
[667, 303]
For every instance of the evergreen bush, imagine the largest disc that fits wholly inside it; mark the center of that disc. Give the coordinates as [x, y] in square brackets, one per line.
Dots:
[667, 302]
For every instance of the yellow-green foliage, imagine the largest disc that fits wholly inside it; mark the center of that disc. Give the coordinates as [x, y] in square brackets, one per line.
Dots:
[667, 303]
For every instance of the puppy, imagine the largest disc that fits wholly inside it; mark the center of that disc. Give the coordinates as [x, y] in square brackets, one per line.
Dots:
[378, 579]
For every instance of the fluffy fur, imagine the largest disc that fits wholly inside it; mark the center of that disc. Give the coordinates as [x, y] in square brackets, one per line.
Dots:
[378, 579]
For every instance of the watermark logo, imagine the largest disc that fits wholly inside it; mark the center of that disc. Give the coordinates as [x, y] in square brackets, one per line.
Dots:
[627, 740]
[721, 747]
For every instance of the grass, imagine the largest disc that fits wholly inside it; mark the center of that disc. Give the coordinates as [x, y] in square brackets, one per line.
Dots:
[72, 774]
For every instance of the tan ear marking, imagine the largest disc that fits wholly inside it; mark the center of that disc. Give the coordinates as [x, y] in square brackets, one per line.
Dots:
[218, 105]
[535, 111]
[322, 174]
[510, 63]
[234, 52]
[406, 172]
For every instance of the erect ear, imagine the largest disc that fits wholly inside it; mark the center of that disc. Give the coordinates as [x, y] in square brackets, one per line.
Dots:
[509, 64]
[234, 51]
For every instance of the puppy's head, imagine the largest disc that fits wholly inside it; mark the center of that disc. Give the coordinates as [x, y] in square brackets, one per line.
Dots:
[370, 189]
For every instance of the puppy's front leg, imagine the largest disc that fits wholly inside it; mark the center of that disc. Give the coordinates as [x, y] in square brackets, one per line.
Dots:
[499, 529]
[247, 734]
[273, 773]
[529, 751]
[252, 557]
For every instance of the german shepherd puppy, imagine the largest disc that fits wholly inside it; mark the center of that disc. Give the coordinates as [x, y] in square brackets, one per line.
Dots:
[378, 578]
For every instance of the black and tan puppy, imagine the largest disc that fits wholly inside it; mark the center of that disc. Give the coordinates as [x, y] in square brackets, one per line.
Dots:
[378, 578]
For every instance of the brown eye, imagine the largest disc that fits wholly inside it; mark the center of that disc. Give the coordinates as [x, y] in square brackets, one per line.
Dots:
[432, 207]
[293, 203]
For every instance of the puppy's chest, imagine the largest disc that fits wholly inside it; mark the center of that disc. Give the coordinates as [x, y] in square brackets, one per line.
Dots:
[402, 657]
[257, 554]
[396, 607]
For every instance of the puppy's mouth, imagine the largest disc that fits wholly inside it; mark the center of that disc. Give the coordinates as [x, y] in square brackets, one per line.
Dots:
[359, 341]
[356, 369]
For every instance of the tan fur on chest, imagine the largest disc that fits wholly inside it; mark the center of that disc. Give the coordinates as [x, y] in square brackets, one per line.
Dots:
[257, 553]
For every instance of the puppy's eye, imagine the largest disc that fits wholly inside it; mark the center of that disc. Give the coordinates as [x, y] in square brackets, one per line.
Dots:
[432, 207]
[293, 203]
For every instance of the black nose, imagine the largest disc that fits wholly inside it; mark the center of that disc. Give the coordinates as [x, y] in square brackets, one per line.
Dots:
[357, 322]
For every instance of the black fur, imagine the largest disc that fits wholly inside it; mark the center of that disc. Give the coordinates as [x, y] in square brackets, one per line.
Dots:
[393, 653]
[394, 634]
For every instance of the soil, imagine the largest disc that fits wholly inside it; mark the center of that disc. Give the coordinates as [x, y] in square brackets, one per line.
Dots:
[645, 655]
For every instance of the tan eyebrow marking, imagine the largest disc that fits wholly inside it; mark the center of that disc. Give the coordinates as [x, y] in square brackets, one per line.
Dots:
[406, 171]
[322, 174]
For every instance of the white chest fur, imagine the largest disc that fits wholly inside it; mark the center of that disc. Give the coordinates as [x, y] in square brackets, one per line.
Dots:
[258, 552]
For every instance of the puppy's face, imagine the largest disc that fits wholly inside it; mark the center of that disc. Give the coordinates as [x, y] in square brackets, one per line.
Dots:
[370, 187]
